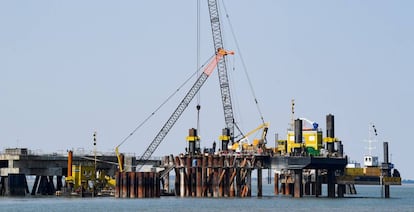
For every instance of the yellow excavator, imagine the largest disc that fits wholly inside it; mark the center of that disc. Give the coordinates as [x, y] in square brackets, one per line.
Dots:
[243, 145]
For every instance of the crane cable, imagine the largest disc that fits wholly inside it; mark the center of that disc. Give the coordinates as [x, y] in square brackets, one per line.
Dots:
[163, 103]
[243, 64]
[198, 107]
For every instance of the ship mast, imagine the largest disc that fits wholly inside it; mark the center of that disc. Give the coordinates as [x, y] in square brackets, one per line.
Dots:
[372, 134]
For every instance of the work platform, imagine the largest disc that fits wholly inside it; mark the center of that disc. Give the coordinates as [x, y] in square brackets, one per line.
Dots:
[230, 175]
[307, 162]
[17, 163]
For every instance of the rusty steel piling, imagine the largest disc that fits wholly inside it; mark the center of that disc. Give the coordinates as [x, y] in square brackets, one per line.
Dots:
[137, 185]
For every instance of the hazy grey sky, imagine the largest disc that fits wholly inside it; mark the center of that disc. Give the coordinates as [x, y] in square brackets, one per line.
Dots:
[69, 68]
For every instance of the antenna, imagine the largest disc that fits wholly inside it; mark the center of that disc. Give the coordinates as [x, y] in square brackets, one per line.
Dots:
[372, 134]
[292, 123]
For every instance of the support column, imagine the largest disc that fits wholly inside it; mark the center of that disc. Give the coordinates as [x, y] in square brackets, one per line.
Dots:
[221, 173]
[341, 190]
[140, 185]
[157, 184]
[385, 170]
[16, 185]
[132, 185]
[227, 181]
[199, 178]
[189, 183]
[216, 177]
[313, 188]
[166, 178]
[146, 185]
[307, 186]
[204, 176]
[249, 182]
[298, 186]
[182, 182]
[259, 182]
[283, 188]
[318, 184]
[177, 184]
[210, 175]
[238, 182]
[59, 183]
[276, 179]
[352, 186]
[36, 185]
[283, 184]
[43, 184]
[331, 183]
[1, 186]
[291, 189]
[151, 184]
[288, 190]
[166, 183]
[124, 185]
[386, 191]
[232, 191]
[51, 186]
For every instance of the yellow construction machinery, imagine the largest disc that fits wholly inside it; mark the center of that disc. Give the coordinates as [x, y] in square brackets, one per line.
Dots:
[84, 179]
[312, 140]
[118, 156]
[243, 144]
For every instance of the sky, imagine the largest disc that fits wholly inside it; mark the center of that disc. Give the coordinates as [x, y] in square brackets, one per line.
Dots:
[70, 68]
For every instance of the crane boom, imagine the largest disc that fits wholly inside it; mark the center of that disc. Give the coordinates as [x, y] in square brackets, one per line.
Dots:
[264, 125]
[182, 106]
[221, 67]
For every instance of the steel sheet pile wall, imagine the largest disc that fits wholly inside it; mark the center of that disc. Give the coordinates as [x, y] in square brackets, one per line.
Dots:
[214, 175]
[137, 185]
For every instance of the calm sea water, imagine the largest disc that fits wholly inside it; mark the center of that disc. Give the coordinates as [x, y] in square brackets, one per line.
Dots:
[367, 199]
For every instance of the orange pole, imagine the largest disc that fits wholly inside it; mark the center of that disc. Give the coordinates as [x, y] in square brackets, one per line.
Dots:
[70, 157]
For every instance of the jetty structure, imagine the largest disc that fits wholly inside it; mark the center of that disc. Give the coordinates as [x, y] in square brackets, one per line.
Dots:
[299, 164]
[296, 168]
[74, 173]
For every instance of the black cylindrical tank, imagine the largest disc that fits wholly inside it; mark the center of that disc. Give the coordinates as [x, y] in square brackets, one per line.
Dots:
[191, 143]
[225, 142]
[330, 132]
[330, 126]
[298, 131]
